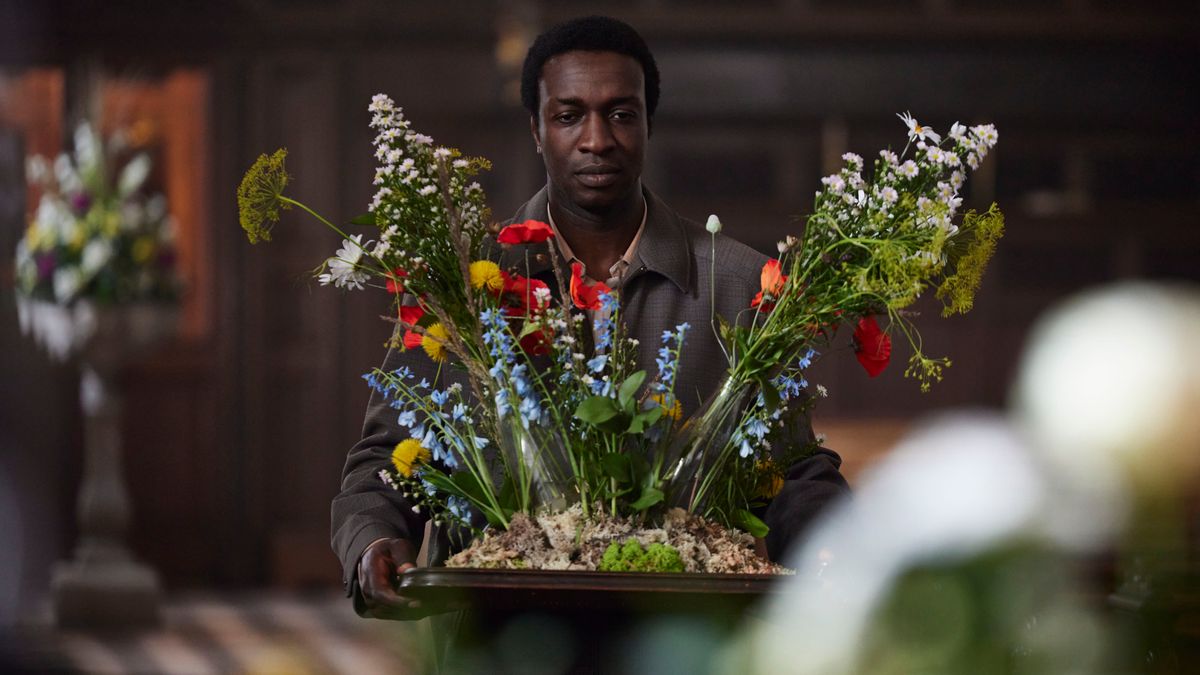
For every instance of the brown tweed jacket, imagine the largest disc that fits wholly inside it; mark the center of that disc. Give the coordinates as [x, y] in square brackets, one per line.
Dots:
[668, 284]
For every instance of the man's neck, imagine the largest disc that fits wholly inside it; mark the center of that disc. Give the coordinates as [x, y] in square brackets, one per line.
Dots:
[599, 240]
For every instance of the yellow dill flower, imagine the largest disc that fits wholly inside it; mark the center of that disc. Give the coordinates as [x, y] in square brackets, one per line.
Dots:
[969, 253]
[486, 273]
[434, 342]
[770, 479]
[408, 455]
[142, 250]
[259, 195]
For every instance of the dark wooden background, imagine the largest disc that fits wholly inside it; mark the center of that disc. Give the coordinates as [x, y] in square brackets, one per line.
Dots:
[236, 432]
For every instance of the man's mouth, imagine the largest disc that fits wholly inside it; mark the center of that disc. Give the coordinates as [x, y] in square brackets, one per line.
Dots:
[599, 175]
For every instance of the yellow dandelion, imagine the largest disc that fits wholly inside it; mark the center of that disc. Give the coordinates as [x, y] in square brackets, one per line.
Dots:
[260, 196]
[674, 411]
[408, 455]
[434, 342]
[486, 273]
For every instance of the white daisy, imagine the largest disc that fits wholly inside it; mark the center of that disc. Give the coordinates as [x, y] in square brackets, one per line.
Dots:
[343, 271]
[916, 131]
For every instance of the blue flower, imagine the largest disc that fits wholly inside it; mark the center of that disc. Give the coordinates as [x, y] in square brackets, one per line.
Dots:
[806, 360]
[531, 412]
[497, 371]
[608, 303]
[739, 439]
[407, 418]
[757, 428]
[458, 506]
[597, 363]
[460, 411]
[520, 381]
[423, 384]
[503, 407]
[439, 397]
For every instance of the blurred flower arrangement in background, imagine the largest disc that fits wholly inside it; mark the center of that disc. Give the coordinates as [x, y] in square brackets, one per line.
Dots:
[97, 234]
[543, 405]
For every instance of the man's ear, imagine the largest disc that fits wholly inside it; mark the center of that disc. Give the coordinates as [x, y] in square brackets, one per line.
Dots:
[537, 136]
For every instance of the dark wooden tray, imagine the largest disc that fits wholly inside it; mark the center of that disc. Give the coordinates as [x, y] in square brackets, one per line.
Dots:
[442, 589]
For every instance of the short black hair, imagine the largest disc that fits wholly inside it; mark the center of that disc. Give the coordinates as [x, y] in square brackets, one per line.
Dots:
[589, 34]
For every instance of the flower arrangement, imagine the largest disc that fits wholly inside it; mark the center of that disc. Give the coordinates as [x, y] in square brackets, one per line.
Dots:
[528, 419]
[96, 234]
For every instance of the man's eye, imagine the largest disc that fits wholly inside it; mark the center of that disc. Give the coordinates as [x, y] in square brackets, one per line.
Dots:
[566, 118]
[623, 115]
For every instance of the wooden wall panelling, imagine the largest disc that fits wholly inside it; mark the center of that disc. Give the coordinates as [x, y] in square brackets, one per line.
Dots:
[292, 327]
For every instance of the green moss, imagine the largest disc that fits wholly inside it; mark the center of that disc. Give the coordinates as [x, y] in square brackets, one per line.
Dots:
[631, 557]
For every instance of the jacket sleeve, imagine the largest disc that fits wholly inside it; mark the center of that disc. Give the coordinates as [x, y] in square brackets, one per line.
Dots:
[810, 483]
[367, 509]
[809, 486]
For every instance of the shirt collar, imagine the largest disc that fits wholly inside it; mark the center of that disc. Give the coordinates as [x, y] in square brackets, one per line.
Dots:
[663, 247]
[621, 267]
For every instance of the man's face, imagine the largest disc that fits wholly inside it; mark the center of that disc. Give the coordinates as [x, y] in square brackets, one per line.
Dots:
[592, 128]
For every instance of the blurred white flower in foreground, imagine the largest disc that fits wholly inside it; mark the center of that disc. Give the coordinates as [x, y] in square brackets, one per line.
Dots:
[1109, 388]
[947, 492]
[1104, 413]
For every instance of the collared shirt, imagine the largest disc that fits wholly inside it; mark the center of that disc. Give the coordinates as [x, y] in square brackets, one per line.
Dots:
[616, 273]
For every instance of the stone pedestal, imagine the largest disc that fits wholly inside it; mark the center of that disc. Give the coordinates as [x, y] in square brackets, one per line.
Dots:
[102, 586]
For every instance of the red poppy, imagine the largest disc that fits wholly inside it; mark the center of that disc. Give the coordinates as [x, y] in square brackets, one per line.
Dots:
[772, 281]
[872, 346]
[528, 232]
[585, 295]
[520, 293]
[394, 285]
[411, 314]
[536, 343]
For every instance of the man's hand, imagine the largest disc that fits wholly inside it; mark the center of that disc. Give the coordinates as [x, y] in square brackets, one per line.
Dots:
[378, 574]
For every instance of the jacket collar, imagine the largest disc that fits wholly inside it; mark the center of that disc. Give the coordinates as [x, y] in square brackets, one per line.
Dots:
[665, 247]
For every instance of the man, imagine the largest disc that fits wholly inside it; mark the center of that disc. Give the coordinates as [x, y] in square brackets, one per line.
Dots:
[591, 87]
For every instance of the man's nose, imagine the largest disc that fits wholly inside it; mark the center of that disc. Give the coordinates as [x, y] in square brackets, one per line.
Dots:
[597, 137]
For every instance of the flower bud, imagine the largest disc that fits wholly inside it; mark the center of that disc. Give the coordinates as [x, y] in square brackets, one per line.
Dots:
[714, 224]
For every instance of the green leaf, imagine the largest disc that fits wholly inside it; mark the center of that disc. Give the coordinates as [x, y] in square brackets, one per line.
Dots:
[650, 497]
[364, 219]
[616, 465]
[619, 424]
[629, 389]
[645, 419]
[469, 486]
[750, 523]
[442, 483]
[597, 410]
[769, 393]
[508, 496]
